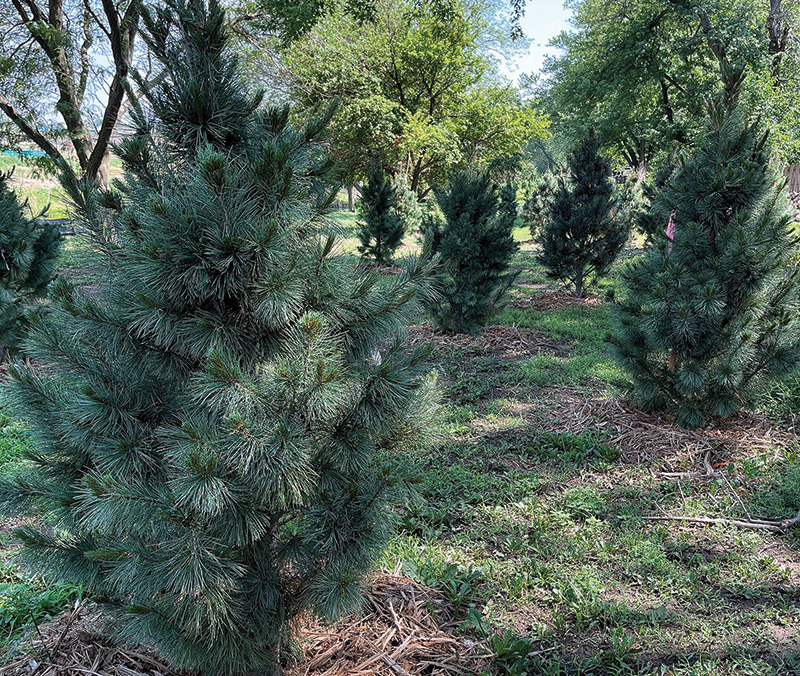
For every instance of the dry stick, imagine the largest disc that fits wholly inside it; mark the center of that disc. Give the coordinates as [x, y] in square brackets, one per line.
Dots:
[67, 625]
[736, 495]
[774, 526]
[707, 463]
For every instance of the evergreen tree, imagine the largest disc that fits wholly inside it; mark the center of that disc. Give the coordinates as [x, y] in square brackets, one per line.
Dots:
[408, 206]
[580, 240]
[475, 245]
[538, 205]
[382, 228]
[28, 251]
[707, 317]
[651, 218]
[629, 202]
[220, 429]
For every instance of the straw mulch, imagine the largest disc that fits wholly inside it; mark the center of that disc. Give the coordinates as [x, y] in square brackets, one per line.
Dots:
[508, 342]
[406, 630]
[70, 645]
[546, 301]
[645, 437]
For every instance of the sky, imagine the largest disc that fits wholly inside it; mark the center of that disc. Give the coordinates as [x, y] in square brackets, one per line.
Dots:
[543, 20]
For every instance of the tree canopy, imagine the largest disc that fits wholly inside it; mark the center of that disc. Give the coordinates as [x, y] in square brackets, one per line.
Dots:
[639, 71]
[414, 88]
[63, 73]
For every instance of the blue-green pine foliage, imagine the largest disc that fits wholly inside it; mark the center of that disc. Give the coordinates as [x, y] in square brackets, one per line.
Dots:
[580, 239]
[705, 322]
[219, 431]
[382, 227]
[28, 251]
[475, 245]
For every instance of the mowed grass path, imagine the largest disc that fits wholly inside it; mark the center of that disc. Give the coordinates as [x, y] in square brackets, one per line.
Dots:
[539, 537]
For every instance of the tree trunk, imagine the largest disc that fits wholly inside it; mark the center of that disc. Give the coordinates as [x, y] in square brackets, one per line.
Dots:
[579, 285]
[351, 203]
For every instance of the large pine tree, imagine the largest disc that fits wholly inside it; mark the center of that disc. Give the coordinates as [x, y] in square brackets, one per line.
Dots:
[218, 430]
[28, 252]
[580, 240]
[712, 313]
[475, 245]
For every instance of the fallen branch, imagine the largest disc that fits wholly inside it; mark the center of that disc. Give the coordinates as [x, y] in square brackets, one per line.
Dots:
[752, 524]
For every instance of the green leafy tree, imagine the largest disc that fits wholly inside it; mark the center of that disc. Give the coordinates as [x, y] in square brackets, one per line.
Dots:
[638, 71]
[708, 317]
[475, 245]
[73, 60]
[382, 228]
[414, 89]
[219, 431]
[28, 252]
[580, 239]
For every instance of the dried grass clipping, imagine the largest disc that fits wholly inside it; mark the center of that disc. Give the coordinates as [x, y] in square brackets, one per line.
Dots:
[502, 341]
[406, 630]
[645, 437]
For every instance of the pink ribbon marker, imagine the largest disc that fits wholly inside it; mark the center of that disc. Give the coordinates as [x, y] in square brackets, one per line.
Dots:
[671, 231]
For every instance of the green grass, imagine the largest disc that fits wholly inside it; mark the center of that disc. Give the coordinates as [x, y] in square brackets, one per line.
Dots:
[586, 359]
[13, 440]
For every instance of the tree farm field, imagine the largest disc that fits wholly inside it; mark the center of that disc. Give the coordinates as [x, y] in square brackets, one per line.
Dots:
[545, 515]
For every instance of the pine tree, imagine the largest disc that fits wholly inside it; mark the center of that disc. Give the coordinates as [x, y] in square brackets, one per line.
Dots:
[408, 206]
[475, 245]
[220, 429]
[708, 317]
[580, 240]
[651, 218]
[538, 205]
[382, 228]
[28, 252]
[629, 202]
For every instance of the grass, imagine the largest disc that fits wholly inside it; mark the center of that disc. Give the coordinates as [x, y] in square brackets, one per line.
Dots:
[24, 599]
[540, 539]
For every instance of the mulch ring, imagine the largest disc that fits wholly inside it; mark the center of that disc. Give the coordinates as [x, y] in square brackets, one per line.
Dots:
[70, 644]
[644, 437]
[554, 299]
[508, 342]
[407, 630]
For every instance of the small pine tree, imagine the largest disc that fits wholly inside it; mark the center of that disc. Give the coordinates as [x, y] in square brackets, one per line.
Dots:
[580, 240]
[28, 252]
[475, 245]
[408, 206]
[538, 205]
[629, 202]
[708, 318]
[651, 218]
[219, 431]
[382, 227]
